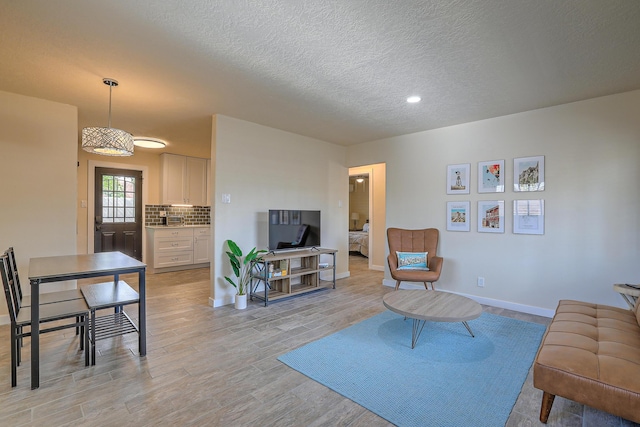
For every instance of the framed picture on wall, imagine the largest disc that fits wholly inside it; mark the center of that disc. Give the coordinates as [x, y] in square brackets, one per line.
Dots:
[528, 173]
[295, 217]
[491, 216]
[458, 216]
[528, 216]
[458, 178]
[491, 176]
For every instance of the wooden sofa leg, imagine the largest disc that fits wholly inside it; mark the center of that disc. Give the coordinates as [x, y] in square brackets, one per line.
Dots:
[397, 284]
[545, 408]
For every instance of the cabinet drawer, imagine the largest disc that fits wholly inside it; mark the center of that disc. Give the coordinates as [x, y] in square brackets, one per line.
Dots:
[174, 244]
[173, 259]
[202, 231]
[174, 232]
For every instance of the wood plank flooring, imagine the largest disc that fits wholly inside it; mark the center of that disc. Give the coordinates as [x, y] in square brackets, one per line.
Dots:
[213, 367]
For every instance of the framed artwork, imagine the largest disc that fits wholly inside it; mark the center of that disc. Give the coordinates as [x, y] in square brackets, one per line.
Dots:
[528, 216]
[284, 217]
[295, 217]
[458, 178]
[491, 216]
[458, 216]
[491, 176]
[528, 174]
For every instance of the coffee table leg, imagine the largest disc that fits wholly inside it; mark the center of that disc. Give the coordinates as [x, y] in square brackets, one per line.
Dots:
[466, 325]
[418, 325]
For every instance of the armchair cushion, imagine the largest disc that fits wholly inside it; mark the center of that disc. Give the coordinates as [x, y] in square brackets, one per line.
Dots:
[412, 260]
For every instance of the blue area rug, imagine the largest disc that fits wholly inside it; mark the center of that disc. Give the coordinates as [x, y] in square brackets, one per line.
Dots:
[449, 379]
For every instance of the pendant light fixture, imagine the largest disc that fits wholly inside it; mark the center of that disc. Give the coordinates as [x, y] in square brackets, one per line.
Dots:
[107, 141]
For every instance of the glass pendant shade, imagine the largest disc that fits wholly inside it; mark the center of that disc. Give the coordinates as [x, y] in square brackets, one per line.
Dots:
[107, 141]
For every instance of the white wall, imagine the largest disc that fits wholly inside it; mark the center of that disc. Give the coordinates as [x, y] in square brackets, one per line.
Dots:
[264, 168]
[592, 201]
[38, 162]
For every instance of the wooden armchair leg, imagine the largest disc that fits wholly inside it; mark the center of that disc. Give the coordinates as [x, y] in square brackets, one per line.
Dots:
[433, 287]
[545, 408]
[397, 284]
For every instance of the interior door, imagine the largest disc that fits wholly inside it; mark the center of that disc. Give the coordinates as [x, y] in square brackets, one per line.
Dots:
[118, 210]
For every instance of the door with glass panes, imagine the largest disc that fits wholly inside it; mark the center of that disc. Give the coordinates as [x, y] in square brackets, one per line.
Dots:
[118, 210]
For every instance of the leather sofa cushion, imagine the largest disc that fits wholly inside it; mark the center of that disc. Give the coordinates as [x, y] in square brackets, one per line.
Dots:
[591, 354]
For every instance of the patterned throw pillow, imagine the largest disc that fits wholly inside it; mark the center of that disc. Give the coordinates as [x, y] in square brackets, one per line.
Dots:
[412, 260]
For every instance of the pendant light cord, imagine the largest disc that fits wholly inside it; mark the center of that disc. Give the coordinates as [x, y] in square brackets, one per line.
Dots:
[110, 89]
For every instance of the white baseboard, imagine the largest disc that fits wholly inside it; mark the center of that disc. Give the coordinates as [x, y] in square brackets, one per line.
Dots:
[378, 268]
[522, 308]
[220, 302]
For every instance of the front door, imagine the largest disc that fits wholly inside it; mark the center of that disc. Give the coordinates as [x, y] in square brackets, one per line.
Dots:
[118, 210]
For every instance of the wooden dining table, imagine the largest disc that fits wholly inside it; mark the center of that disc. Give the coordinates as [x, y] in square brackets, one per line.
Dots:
[75, 267]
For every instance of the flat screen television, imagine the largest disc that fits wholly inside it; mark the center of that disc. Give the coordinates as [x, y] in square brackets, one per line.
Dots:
[293, 229]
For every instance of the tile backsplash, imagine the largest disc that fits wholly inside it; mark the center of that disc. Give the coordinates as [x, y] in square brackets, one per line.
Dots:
[195, 215]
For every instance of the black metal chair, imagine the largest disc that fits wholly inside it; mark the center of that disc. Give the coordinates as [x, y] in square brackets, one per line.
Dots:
[20, 318]
[108, 295]
[45, 298]
[21, 300]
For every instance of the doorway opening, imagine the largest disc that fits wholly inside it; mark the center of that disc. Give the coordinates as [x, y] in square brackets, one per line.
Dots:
[367, 215]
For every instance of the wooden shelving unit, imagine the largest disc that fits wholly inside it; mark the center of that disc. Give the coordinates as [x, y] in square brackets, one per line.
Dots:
[303, 277]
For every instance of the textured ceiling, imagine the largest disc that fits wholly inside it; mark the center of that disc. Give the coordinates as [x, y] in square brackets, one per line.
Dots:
[334, 70]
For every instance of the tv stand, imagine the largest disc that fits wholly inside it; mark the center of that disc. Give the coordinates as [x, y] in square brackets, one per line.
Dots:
[301, 278]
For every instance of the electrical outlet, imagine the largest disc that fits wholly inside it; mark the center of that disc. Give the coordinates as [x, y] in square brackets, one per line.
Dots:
[163, 214]
[481, 281]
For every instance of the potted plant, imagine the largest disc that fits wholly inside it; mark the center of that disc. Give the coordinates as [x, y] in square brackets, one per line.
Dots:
[241, 266]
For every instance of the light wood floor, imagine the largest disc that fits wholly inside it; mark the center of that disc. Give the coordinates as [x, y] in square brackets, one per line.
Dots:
[213, 367]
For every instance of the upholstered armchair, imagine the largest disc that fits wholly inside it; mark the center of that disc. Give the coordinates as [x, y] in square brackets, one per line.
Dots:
[415, 241]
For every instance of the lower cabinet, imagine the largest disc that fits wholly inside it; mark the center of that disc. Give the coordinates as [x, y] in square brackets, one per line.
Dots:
[177, 248]
[201, 243]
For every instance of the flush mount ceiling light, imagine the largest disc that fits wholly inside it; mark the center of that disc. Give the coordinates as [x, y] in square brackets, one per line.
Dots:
[414, 99]
[107, 141]
[359, 180]
[143, 141]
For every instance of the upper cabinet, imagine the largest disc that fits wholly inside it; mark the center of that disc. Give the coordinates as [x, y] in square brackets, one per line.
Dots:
[184, 180]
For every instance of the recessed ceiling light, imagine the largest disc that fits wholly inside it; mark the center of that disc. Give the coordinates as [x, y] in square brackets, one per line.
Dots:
[413, 99]
[143, 141]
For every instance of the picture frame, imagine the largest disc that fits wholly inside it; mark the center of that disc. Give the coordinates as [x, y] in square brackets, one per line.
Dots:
[491, 176]
[458, 216]
[458, 178]
[295, 217]
[528, 216]
[284, 217]
[528, 173]
[491, 216]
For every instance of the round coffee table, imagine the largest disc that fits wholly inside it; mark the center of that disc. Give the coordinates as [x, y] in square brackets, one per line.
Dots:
[436, 306]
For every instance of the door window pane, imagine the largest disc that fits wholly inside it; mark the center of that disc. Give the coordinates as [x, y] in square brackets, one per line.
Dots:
[118, 198]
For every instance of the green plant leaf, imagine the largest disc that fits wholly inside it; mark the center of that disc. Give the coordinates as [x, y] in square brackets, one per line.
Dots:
[234, 248]
[231, 281]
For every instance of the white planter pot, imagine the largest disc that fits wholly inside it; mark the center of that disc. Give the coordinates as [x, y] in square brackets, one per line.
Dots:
[241, 302]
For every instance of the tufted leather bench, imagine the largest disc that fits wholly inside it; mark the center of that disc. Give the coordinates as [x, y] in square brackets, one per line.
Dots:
[591, 354]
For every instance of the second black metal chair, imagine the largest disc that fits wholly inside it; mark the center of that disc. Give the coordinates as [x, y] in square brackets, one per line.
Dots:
[20, 318]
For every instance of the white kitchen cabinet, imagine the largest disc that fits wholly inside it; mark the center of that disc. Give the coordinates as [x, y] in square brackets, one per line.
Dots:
[201, 242]
[177, 248]
[184, 180]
